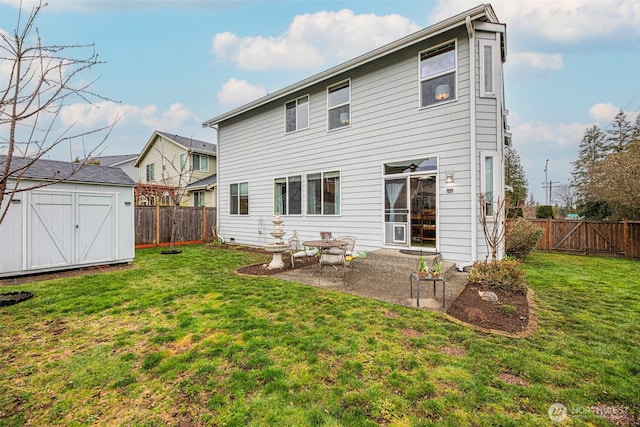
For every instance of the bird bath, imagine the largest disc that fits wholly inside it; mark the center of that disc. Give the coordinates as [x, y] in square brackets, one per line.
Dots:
[277, 247]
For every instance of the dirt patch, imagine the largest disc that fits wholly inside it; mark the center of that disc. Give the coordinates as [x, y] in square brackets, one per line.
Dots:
[513, 379]
[411, 333]
[262, 270]
[454, 351]
[510, 314]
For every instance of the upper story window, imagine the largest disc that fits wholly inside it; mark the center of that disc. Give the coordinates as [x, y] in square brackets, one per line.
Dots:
[323, 193]
[297, 114]
[150, 172]
[239, 198]
[438, 75]
[339, 105]
[287, 195]
[488, 61]
[183, 161]
[200, 162]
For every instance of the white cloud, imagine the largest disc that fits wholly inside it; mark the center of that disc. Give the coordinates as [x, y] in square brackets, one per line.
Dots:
[536, 61]
[312, 40]
[237, 92]
[567, 21]
[559, 136]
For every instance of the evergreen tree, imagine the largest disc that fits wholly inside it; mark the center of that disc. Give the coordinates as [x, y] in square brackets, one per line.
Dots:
[592, 149]
[620, 134]
[514, 176]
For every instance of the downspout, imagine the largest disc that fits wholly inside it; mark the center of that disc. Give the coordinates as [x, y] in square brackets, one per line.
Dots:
[221, 238]
[473, 149]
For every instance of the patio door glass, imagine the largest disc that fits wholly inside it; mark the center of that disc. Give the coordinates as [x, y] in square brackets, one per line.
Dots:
[396, 212]
[423, 211]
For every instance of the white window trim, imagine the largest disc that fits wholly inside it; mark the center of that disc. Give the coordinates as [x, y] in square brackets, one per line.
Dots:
[193, 165]
[456, 71]
[339, 105]
[239, 183]
[483, 189]
[306, 177]
[494, 63]
[308, 114]
[302, 186]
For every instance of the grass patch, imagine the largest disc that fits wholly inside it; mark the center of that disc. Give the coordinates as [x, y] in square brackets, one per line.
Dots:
[182, 339]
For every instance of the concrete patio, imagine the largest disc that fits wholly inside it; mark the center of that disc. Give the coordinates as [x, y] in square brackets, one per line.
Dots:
[384, 275]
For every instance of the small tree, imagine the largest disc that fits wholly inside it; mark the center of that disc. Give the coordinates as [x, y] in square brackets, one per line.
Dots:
[492, 221]
[40, 79]
[514, 176]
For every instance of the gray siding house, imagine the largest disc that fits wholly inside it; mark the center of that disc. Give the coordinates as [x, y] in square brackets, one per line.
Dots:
[393, 147]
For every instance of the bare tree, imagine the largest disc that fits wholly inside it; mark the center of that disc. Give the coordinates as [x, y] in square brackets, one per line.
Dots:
[40, 78]
[492, 215]
[566, 196]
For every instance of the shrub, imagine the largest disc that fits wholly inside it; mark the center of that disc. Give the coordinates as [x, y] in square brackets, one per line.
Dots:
[521, 237]
[515, 212]
[545, 211]
[500, 275]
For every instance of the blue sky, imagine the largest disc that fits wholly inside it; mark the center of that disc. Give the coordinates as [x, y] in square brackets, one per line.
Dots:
[172, 64]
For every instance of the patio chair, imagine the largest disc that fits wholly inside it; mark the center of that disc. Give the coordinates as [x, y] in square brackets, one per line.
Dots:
[351, 244]
[297, 251]
[327, 258]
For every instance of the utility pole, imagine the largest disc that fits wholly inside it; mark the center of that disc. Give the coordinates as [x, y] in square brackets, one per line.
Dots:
[548, 185]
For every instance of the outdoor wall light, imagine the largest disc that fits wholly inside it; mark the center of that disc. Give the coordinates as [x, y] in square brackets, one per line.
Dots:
[449, 179]
[442, 92]
[344, 118]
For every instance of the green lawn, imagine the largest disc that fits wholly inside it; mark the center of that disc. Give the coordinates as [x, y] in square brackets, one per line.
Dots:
[182, 339]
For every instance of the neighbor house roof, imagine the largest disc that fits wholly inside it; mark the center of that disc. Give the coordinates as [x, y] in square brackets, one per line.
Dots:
[204, 184]
[482, 12]
[54, 170]
[189, 144]
[114, 160]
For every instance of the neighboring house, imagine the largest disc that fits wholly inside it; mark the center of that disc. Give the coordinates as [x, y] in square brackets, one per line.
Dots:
[126, 162]
[393, 147]
[85, 220]
[170, 163]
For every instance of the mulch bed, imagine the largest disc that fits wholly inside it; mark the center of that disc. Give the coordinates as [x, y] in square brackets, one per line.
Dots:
[262, 270]
[471, 308]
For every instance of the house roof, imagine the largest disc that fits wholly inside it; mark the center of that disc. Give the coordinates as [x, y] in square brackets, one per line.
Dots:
[482, 12]
[189, 144]
[53, 170]
[204, 183]
[115, 160]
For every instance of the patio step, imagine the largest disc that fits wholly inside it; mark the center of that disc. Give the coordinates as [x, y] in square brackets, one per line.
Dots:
[396, 262]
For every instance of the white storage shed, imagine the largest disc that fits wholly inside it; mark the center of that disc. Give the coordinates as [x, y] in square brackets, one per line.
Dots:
[85, 220]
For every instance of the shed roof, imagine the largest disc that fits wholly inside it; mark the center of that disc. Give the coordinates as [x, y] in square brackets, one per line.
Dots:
[54, 170]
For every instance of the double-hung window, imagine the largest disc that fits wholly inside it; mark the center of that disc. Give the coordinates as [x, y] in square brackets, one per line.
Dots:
[339, 105]
[200, 162]
[287, 195]
[488, 70]
[438, 75]
[150, 172]
[239, 198]
[297, 114]
[323, 193]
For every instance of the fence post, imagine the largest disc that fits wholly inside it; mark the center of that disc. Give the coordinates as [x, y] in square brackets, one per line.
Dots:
[549, 234]
[204, 224]
[625, 239]
[157, 225]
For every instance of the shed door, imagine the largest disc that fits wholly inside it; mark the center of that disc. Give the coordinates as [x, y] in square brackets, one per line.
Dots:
[95, 233]
[66, 229]
[51, 229]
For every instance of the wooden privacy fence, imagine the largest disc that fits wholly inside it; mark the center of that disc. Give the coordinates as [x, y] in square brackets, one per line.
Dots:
[153, 225]
[599, 238]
